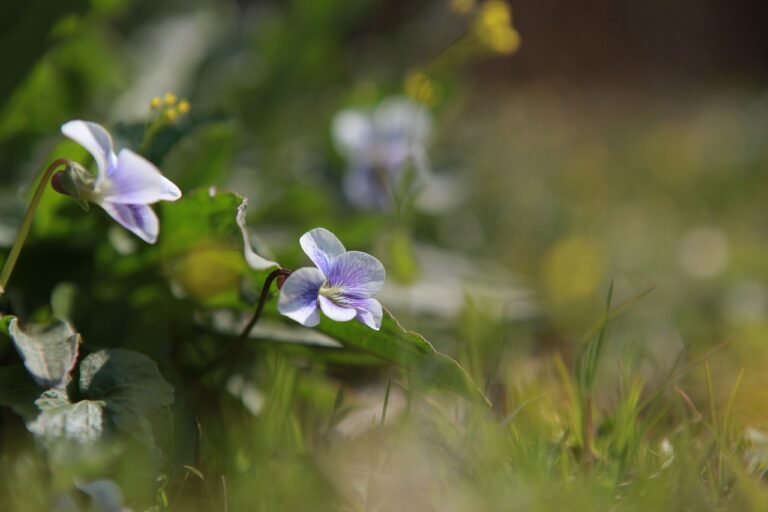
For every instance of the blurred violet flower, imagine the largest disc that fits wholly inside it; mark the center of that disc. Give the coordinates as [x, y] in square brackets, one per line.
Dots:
[126, 183]
[379, 146]
[342, 285]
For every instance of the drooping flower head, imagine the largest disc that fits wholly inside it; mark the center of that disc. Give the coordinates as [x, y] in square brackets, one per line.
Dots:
[342, 286]
[379, 145]
[125, 185]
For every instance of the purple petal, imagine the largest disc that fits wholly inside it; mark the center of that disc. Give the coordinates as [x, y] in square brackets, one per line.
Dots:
[367, 189]
[334, 311]
[322, 247]
[136, 218]
[369, 312]
[96, 140]
[298, 296]
[357, 274]
[136, 180]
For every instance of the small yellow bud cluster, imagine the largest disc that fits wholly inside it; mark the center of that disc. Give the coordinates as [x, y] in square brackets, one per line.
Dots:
[493, 27]
[169, 107]
[420, 87]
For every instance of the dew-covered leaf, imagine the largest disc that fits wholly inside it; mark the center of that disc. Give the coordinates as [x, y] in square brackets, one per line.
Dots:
[49, 352]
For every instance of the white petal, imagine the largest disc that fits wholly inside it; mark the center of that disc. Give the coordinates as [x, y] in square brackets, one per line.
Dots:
[357, 274]
[370, 313]
[298, 296]
[136, 218]
[400, 117]
[352, 133]
[322, 247]
[136, 180]
[334, 311]
[96, 140]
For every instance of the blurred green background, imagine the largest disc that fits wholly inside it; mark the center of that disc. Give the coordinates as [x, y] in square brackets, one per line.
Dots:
[623, 142]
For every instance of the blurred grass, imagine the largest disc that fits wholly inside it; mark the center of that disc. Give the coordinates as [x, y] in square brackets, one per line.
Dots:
[572, 187]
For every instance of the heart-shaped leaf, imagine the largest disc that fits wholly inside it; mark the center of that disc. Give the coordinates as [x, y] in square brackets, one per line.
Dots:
[130, 385]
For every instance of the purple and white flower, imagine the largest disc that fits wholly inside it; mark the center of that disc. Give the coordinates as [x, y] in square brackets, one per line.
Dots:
[379, 145]
[342, 285]
[126, 183]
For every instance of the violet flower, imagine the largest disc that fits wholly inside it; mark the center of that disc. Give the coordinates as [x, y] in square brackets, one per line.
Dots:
[379, 145]
[126, 183]
[342, 285]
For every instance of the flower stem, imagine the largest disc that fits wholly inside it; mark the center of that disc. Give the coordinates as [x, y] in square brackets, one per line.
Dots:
[240, 340]
[26, 224]
[149, 134]
[281, 272]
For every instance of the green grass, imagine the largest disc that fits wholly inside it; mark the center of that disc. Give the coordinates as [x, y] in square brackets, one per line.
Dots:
[630, 376]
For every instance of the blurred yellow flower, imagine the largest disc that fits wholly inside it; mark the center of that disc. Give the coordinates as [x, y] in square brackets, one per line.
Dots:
[462, 7]
[183, 106]
[493, 26]
[156, 102]
[572, 269]
[422, 88]
[170, 98]
[171, 114]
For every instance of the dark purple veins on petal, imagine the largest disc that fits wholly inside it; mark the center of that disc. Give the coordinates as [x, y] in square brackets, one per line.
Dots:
[132, 215]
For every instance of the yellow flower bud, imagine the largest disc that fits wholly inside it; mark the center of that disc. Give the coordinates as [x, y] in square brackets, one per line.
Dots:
[421, 88]
[183, 106]
[171, 114]
[170, 98]
[493, 26]
[156, 102]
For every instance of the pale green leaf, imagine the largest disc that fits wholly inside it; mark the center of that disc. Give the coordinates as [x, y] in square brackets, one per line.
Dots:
[82, 422]
[49, 352]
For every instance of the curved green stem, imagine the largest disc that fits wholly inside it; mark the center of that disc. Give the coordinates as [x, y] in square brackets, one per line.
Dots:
[26, 224]
[149, 134]
[237, 343]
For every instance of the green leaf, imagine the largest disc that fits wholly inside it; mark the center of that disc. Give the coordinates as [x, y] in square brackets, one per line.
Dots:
[407, 349]
[202, 247]
[129, 383]
[118, 385]
[18, 391]
[49, 352]
[126, 377]
[52, 398]
[203, 157]
[4, 321]
[81, 422]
